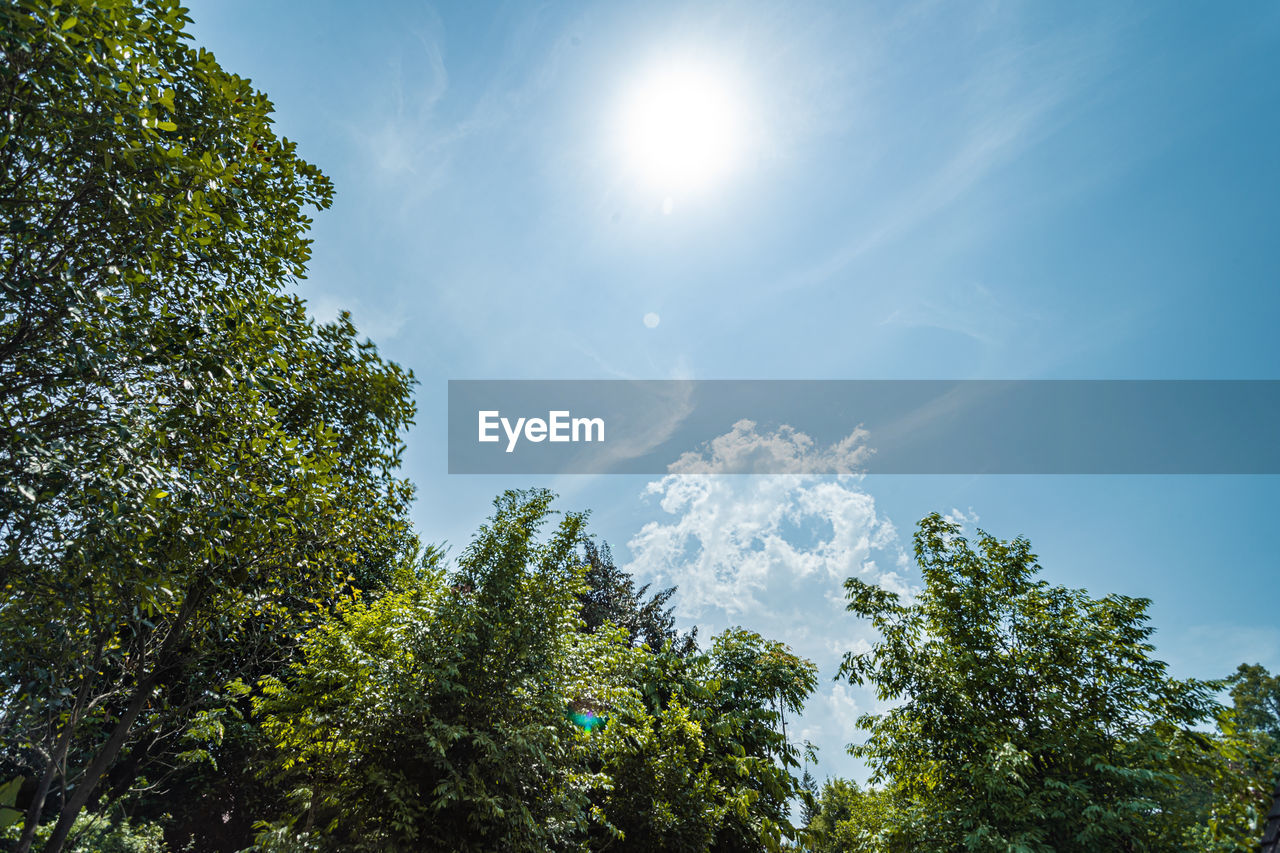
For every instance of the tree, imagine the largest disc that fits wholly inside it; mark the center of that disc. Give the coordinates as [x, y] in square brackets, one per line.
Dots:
[611, 597]
[212, 800]
[809, 799]
[433, 718]
[1227, 789]
[847, 818]
[190, 468]
[696, 754]
[1225, 785]
[1031, 717]
[437, 717]
[1255, 695]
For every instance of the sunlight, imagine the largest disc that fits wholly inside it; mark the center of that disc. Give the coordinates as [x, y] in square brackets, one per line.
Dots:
[681, 128]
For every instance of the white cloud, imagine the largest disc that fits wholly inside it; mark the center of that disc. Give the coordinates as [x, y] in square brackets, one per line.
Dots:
[771, 552]
[842, 709]
[733, 543]
[745, 450]
[962, 518]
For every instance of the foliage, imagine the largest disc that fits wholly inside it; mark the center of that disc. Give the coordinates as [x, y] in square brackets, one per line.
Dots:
[1255, 696]
[192, 468]
[848, 818]
[104, 830]
[1032, 717]
[433, 718]
[696, 752]
[1227, 791]
[212, 603]
[611, 596]
[808, 797]
[1224, 790]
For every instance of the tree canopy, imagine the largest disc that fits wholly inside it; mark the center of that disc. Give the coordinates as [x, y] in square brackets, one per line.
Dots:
[1028, 716]
[611, 596]
[435, 717]
[190, 466]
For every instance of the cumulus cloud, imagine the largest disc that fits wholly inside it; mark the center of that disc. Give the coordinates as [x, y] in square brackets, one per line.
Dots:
[771, 552]
[731, 542]
[747, 450]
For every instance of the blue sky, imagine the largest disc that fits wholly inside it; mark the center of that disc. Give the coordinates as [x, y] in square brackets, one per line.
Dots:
[910, 190]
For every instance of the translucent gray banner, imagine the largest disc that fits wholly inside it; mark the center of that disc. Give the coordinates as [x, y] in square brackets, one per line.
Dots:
[657, 427]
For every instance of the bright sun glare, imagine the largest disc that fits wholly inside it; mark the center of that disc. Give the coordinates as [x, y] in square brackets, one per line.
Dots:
[681, 128]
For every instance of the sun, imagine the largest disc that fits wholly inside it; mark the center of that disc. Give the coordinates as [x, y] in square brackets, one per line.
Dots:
[681, 128]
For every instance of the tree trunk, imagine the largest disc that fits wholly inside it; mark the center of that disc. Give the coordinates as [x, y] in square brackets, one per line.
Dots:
[101, 763]
[59, 756]
[37, 800]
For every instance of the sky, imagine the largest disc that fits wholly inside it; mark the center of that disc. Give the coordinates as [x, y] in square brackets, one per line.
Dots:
[854, 190]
